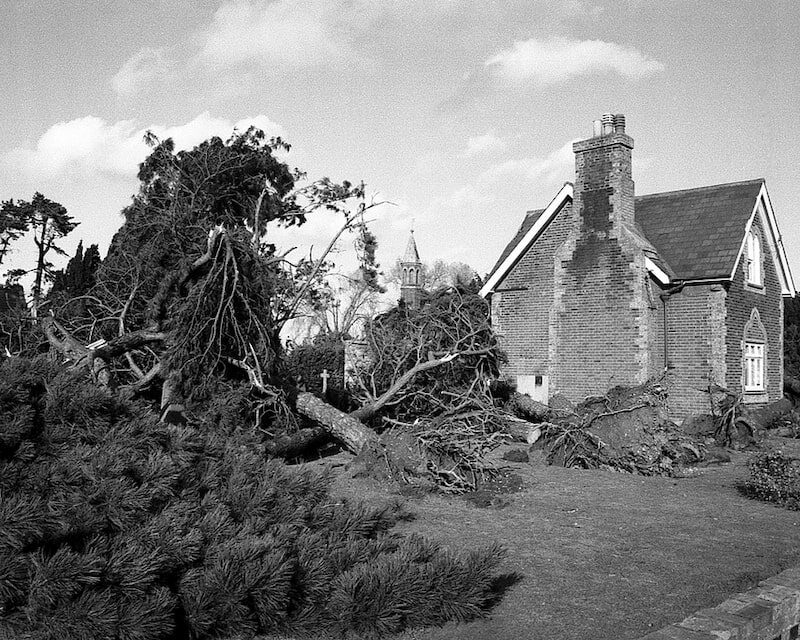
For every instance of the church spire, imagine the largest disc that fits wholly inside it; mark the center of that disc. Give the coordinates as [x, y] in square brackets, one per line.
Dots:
[411, 286]
[411, 255]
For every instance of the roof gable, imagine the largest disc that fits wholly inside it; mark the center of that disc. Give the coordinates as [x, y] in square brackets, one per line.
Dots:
[532, 227]
[698, 233]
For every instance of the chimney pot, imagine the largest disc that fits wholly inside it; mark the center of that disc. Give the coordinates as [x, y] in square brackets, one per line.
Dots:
[608, 124]
[597, 128]
[619, 123]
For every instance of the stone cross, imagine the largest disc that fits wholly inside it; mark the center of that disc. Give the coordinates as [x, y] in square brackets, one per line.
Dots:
[324, 375]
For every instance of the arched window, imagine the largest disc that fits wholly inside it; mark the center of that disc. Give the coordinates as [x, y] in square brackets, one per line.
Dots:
[753, 259]
[754, 355]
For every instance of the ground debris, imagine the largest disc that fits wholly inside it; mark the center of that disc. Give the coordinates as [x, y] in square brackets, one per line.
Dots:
[625, 430]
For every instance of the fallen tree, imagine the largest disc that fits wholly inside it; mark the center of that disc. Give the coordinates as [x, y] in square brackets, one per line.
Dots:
[114, 525]
[193, 291]
[625, 430]
[173, 522]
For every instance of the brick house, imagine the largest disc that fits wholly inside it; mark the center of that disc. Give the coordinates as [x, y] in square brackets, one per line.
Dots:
[603, 287]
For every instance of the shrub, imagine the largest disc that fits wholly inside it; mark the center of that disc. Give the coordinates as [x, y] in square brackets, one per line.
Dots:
[113, 525]
[774, 477]
[308, 360]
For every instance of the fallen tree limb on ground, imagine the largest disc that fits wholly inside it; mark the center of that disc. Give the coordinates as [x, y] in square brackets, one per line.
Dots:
[525, 407]
[350, 431]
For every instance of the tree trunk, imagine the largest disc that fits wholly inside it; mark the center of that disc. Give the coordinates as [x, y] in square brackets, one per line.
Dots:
[525, 407]
[37, 283]
[522, 430]
[353, 434]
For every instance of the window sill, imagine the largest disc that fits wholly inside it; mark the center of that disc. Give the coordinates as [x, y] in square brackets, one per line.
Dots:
[755, 397]
[755, 288]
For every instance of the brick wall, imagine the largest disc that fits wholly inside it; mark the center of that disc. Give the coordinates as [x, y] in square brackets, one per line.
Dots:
[771, 611]
[742, 299]
[696, 333]
[521, 305]
[598, 319]
[601, 319]
[655, 326]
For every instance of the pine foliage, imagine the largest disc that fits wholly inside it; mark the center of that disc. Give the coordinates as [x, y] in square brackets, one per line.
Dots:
[113, 525]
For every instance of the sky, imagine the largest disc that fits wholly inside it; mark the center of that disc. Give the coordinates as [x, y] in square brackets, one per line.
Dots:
[457, 114]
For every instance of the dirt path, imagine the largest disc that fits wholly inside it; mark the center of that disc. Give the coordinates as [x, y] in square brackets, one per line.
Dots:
[607, 555]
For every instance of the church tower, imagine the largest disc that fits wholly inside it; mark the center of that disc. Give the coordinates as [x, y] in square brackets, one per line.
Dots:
[411, 286]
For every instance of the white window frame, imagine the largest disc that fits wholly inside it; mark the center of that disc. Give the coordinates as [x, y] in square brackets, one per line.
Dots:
[753, 260]
[753, 364]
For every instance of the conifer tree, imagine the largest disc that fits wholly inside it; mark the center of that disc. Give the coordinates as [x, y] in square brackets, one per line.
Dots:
[114, 525]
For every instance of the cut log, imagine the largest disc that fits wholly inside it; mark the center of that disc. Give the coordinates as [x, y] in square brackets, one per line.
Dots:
[522, 430]
[352, 433]
[525, 407]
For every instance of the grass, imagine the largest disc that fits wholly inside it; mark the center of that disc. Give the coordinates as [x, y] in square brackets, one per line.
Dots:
[608, 555]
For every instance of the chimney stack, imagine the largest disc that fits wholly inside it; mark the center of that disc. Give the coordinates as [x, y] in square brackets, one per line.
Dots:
[600, 270]
[603, 194]
[610, 123]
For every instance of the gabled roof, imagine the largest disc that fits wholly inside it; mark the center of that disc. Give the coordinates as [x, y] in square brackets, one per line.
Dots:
[697, 234]
[530, 219]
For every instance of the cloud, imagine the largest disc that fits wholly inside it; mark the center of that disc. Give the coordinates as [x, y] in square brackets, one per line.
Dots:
[554, 166]
[496, 197]
[141, 69]
[92, 147]
[297, 33]
[558, 59]
[517, 175]
[486, 143]
[89, 165]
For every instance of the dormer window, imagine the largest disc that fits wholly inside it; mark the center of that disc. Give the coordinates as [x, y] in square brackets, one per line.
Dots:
[753, 260]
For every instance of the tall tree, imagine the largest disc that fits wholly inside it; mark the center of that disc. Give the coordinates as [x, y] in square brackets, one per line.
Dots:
[13, 224]
[342, 302]
[49, 222]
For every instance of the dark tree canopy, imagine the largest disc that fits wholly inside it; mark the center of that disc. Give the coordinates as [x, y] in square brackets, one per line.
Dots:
[113, 525]
[194, 288]
[14, 223]
[791, 310]
[49, 222]
[79, 276]
[138, 500]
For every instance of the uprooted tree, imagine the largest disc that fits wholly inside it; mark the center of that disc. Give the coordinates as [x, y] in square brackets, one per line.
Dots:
[125, 520]
[194, 292]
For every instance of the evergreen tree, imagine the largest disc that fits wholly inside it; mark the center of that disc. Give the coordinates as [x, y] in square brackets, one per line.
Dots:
[791, 336]
[113, 525]
[49, 222]
[79, 276]
[14, 223]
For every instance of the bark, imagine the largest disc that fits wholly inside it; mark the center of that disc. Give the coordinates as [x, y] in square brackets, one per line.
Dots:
[346, 428]
[127, 342]
[525, 407]
[158, 306]
[522, 430]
